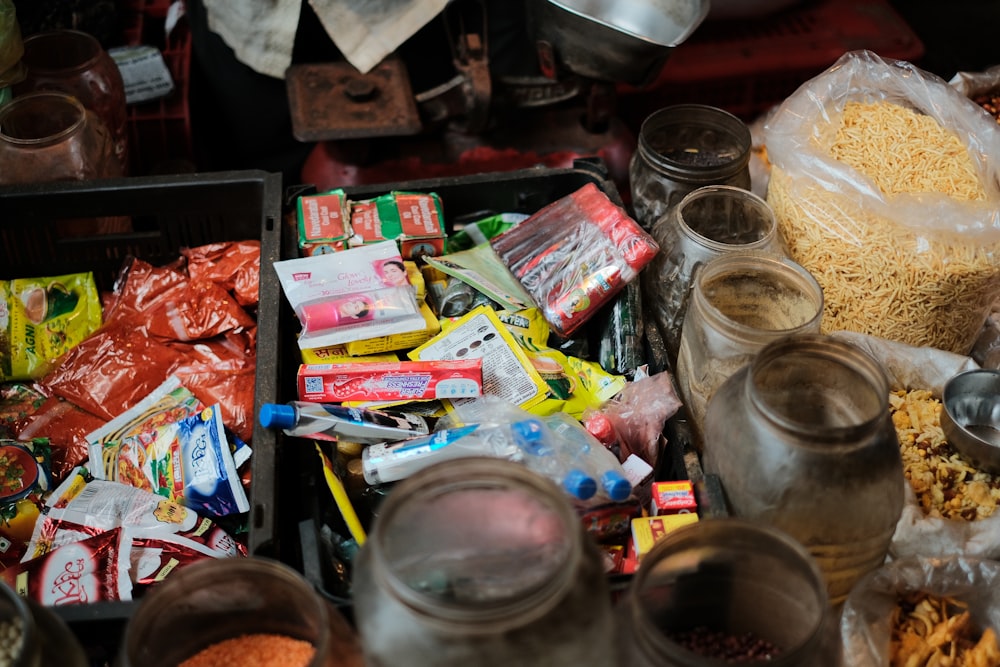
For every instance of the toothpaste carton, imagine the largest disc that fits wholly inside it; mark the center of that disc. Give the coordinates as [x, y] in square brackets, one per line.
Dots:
[388, 381]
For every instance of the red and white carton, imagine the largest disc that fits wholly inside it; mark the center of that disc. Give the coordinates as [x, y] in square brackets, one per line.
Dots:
[390, 381]
[674, 497]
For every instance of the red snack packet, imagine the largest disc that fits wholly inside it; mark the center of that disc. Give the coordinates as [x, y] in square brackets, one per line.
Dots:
[234, 266]
[92, 570]
[18, 401]
[156, 556]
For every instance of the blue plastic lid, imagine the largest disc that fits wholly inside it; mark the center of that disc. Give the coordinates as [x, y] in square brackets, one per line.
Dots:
[275, 415]
[616, 485]
[579, 484]
[528, 430]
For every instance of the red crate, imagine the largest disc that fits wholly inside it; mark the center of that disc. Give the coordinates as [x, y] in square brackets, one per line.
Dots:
[160, 130]
[747, 66]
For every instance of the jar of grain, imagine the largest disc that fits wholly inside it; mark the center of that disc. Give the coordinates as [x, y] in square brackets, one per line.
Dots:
[481, 562]
[728, 590]
[33, 636]
[801, 439]
[218, 611]
[681, 148]
[711, 221]
[740, 302]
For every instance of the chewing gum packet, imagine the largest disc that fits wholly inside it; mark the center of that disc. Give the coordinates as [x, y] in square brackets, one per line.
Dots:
[415, 221]
[43, 318]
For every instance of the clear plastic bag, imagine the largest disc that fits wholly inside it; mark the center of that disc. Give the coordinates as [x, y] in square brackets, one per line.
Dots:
[866, 621]
[918, 267]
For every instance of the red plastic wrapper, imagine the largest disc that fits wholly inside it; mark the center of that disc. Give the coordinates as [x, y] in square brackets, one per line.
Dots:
[66, 426]
[575, 255]
[18, 402]
[92, 570]
[234, 266]
[155, 557]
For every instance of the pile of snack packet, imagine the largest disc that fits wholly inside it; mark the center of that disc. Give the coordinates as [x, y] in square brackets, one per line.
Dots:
[516, 335]
[125, 420]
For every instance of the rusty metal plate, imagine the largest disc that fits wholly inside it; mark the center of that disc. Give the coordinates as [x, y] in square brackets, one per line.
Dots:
[335, 101]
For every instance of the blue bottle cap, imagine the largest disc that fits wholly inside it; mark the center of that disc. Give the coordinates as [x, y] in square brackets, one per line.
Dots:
[275, 415]
[528, 430]
[579, 484]
[616, 486]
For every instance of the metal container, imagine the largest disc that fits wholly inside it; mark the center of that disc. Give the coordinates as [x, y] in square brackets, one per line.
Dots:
[626, 41]
[801, 439]
[970, 417]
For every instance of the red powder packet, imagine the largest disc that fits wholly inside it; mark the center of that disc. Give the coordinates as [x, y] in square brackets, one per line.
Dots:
[92, 570]
[234, 266]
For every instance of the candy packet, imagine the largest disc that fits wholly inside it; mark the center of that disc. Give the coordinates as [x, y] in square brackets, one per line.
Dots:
[349, 296]
[82, 506]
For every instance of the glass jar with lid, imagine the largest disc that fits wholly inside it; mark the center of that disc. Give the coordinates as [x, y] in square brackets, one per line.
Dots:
[709, 222]
[723, 591]
[801, 438]
[740, 302]
[481, 562]
[31, 635]
[684, 147]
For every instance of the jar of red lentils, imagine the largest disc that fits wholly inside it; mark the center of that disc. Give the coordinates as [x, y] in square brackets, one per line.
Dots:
[727, 591]
[246, 612]
[481, 562]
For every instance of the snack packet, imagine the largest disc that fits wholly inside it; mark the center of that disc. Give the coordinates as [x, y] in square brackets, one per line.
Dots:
[42, 318]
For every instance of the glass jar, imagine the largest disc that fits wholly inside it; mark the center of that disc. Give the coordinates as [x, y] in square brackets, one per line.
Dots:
[730, 584]
[801, 438]
[740, 302]
[33, 636]
[49, 136]
[481, 562]
[682, 148]
[215, 600]
[74, 62]
[709, 222]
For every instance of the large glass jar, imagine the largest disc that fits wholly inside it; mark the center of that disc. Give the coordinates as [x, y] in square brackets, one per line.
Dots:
[682, 148]
[709, 222]
[49, 136]
[740, 302]
[481, 562]
[727, 589]
[216, 601]
[74, 62]
[801, 438]
[31, 635]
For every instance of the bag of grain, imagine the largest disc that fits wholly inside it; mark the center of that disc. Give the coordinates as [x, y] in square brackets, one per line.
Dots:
[886, 188]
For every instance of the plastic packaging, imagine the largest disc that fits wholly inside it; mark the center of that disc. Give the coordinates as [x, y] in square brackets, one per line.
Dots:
[328, 421]
[575, 255]
[593, 456]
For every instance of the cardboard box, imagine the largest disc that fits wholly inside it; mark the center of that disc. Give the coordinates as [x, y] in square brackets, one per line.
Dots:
[323, 223]
[649, 530]
[414, 220]
[673, 498]
[390, 381]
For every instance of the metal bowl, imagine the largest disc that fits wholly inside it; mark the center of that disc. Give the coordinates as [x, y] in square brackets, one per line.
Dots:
[970, 417]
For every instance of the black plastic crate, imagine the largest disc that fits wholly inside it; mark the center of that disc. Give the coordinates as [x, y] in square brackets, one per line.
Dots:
[464, 199]
[167, 213]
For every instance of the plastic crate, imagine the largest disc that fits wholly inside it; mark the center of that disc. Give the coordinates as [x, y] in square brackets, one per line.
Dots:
[167, 213]
[747, 66]
[464, 199]
[159, 131]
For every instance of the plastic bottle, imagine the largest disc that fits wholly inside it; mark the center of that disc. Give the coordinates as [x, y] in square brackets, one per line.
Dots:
[553, 459]
[327, 421]
[592, 455]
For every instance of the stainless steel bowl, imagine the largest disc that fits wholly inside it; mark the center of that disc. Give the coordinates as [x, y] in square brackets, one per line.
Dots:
[970, 417]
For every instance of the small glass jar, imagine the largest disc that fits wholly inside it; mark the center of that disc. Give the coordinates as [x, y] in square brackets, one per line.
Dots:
[801, 438]
[214, 600]
[681, 148]
[74, 62]
[740, 302]
[709, 222]
[33, 636]
[727, 589]
[481, 562]
[49, 136]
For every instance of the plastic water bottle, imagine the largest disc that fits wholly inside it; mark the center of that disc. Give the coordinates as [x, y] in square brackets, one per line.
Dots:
[592, 455]
[543, 455]
[326, 421]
